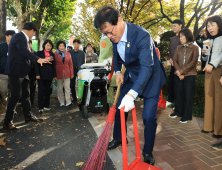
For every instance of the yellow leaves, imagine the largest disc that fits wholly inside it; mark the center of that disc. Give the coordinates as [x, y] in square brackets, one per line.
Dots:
[79, 164]
[2, 142]
[9, 149]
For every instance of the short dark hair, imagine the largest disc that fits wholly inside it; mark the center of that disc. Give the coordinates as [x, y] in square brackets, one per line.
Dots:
[70, 47]
[60, 42]
[45, 42]
[177, 21]
[106, 14]
[187, 33]
[9, 32]
[30, 41]
[89, 44]
[218, 20]
[77, 40]
[29, 26]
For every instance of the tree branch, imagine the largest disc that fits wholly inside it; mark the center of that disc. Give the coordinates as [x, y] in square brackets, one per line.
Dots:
[131, 11]
[140, 10]
[121, 6]
[165, 16]
[17, 9]
[127, 7]
[47, 32]
[12, 17]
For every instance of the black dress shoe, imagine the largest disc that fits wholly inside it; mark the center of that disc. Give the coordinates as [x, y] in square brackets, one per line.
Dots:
[32, 119]
[9, 126]
[203, 131]
[217, 146]
[216, 136]
[148, 158]
[114, 144]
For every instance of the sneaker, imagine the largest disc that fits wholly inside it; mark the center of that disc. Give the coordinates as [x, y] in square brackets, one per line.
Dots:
[217, 146]
[62, 104]
[168, 103]
[68, 104]
[173, 115]
[183, 120]
[173, 108]
[41, 110]
[47, 108]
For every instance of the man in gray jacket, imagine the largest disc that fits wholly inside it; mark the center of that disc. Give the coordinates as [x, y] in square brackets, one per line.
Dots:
[78, 58]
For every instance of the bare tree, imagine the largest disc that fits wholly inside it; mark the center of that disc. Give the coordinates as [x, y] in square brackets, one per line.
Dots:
[201, 9]
[3, 4]
[22, 17]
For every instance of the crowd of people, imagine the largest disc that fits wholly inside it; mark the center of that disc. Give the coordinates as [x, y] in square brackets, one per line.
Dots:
[183, 58]
[21, 67]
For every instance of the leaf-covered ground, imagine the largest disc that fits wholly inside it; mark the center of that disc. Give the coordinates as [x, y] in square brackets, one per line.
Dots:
[64, 140]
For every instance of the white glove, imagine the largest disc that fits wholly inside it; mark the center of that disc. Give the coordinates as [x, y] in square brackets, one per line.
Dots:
[128, 102]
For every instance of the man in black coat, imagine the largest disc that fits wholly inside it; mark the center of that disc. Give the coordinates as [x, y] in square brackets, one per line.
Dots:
[17, 68]
[78, 58]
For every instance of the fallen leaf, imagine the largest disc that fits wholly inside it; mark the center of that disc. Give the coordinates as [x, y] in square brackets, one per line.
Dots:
[24, 167]
[31, 145]
[10, 156]
[9, 149]
[118, 161]
[28, 128]
[18, 142]
[79, 164]
[86, 136]
[169, 144]
[2, 143]
[17, 167]
[63, 164]
[76, 129]
[70, 117]
[38, 142]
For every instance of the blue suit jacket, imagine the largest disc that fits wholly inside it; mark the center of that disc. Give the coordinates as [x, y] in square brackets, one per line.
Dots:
[19, 57]
[46, 71]
[141, 62]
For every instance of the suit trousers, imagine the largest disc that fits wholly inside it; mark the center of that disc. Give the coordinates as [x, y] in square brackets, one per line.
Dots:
[184, 93]
[44, 93]
[171, 95]
[4, 87]
[66, 84]
[149, 121]
[213, 102]
[16, 84]
[73, 83]
[32, 84]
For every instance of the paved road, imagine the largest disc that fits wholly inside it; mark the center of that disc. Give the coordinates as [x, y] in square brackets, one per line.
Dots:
[61, 141]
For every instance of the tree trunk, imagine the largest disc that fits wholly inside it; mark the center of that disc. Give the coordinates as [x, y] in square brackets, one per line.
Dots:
[3, 6]
[182, 11]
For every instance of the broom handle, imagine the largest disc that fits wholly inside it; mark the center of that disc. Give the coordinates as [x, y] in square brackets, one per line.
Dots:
[118, 88]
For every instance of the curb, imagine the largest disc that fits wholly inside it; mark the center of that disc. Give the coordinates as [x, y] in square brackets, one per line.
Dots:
[115, 154]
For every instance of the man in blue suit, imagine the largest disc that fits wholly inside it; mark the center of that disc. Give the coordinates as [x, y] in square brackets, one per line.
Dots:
[144, 76]
[17, 68]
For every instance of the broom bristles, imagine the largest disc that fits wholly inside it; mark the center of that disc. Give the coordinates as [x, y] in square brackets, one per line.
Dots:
[97, 158]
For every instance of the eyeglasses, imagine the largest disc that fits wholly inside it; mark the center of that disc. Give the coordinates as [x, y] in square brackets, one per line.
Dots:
[109, 33]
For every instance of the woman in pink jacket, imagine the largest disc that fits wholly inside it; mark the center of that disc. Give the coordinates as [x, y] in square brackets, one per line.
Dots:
[64, 71]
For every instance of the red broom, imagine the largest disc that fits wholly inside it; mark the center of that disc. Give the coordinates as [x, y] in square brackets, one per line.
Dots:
[96, 160]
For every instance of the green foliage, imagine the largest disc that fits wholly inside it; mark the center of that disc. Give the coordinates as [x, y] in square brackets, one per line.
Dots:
[198, 101]
[165, 44]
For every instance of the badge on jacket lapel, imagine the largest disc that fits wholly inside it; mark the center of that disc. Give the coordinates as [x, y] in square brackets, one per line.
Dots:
[128, 44]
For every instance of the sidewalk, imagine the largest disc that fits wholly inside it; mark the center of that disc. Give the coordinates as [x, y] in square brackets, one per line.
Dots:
[177, 146]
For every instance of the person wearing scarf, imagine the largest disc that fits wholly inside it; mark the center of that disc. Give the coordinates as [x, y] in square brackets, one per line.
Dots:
[213, 89]
[64, 70]
[185, 60]
[44, 76]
